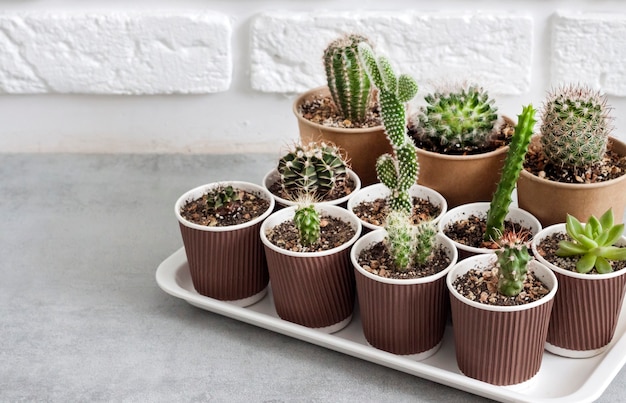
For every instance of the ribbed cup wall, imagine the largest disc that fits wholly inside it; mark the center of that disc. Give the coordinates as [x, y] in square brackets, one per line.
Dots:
[403, 319]
[501, 348]
[585, 312]
[313, 291]
[226, 265]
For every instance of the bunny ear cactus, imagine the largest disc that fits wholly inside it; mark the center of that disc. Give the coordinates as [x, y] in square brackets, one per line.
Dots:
[593, 242]
[348, 83]
[397, 172]
[513, 164]
[575, 126]
[513, 258]
[458, 119]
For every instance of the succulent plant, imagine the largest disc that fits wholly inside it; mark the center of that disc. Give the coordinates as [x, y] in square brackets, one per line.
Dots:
[307, 221]
[575, 126]
[593, 242]
[408, 244]
[348, 83]
[223, 199]
[513, 164]
[315, 169]
[460, 118]
[399, 171]
[513, 258]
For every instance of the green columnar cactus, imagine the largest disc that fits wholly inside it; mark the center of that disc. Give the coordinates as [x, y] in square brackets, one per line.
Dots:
[593, 242]
[513, 164]
[458, 119]
[575, 126]
[397, 172]
[315, 168]
[400, 239]
[513, 258]
[307, 221]
[347, 81]
[425, 240]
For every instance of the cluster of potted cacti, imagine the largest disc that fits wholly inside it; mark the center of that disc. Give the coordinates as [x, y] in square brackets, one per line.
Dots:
[299, 233]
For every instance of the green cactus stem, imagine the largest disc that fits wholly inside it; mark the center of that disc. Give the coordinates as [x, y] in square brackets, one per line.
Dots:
[424, 241]
[513, 258]
[349, 85]
[307, 221]
[400, 239]
[459, 119]
[575, 126]
[399, 171]
[513, 165]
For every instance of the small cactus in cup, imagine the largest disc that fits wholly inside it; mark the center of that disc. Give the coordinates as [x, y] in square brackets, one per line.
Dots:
[459, 119]
[513, 258]
[399, 171]
[316, 168]
[307, 221]
[408, 244]
[593, 242]
[575, 126]
[349, 85]
[223, 200]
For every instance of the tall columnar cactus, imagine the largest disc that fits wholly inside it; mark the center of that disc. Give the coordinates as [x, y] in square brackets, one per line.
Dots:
[398, 172]
[513, 258]
[307, 221]
[513, 164]
[406, 243]
[315, 168]
[348, 83]
[458, 119]
[575, 126]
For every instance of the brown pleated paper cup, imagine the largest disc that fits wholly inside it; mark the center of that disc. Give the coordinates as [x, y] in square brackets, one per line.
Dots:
[226, 263]
[404, 317]
[312, 289]
[495, 344]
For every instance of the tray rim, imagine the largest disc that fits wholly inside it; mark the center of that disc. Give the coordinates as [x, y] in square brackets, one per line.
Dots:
[612, 360]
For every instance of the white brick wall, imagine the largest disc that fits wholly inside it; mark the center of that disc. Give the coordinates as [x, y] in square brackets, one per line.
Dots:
[115, 53]
[286, 47]
[590, 48]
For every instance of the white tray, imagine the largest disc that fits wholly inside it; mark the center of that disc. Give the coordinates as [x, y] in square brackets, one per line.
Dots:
[559, 379]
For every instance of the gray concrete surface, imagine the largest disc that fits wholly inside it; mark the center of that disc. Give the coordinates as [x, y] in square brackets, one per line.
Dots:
[82, 318]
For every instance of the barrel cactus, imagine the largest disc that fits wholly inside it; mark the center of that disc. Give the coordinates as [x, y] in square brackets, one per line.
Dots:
[315, 168]
[575, 126]
[458, 119]
[348, 82]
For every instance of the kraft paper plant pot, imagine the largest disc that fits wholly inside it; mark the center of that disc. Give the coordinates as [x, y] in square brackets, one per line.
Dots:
[500, 345]
[405, 317]
[226, 263]
[312, 289]
[380, 191]
[462, 179]
[273, 176]
[480, 209]
[362, 146]
[586, 308]
[551, 201]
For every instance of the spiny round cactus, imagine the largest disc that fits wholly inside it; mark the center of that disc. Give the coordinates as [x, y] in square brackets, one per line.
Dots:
[462, 118]
[347, 81]
[307, 221]
[575, 126]
[315, 169]
[513, 258]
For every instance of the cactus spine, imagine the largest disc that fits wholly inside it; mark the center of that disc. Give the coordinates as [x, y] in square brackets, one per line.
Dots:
[315, 168]
[513, 258]
[398, 172]
[575, 126]
[458, 119]
[307, 221]
[348, 83]
[406, 243]
[513, 164]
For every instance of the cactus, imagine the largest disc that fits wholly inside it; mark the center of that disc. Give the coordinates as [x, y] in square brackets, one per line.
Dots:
[348, 83]
[406, 243]
[398, 172]
[513, 164]
[593, 242]
[425, 240]
[457, 119]
[307, 221]
[513, 258]
[575, 126]
[223, 200]
[315, 169]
